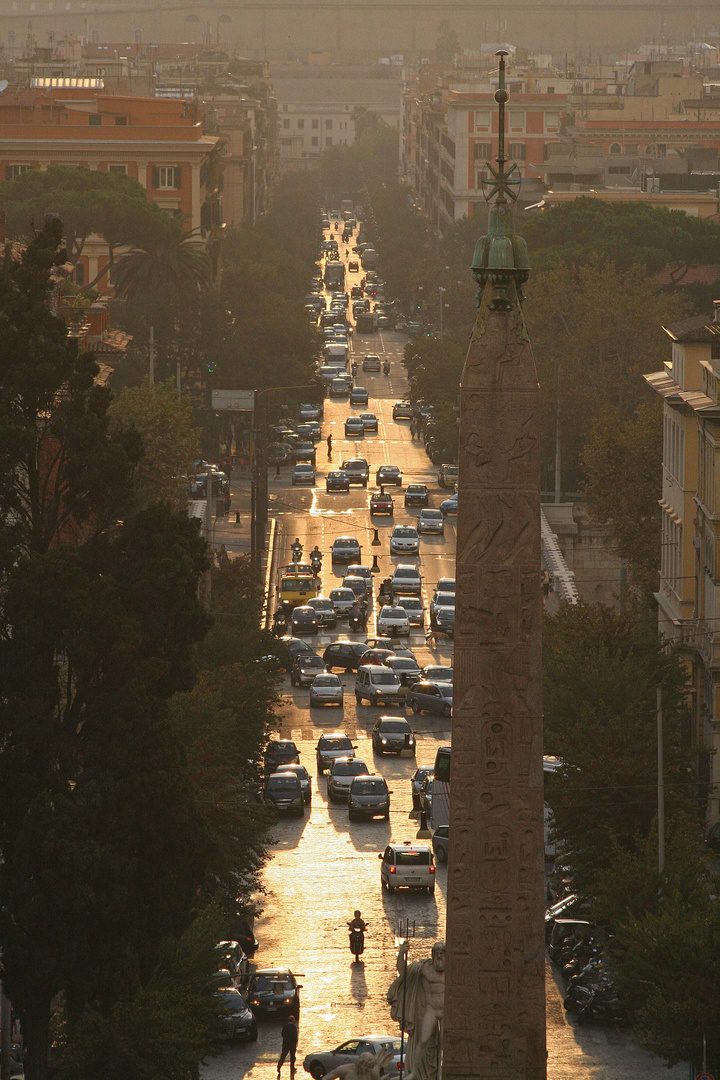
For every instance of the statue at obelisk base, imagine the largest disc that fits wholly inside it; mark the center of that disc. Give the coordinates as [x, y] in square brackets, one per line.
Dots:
[418, 996]
[494, 1027]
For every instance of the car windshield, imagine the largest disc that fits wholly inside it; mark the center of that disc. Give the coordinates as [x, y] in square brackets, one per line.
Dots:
[278, 984]
[411, 604]
[446, 585]
[412, 858]
[342, 594]
[394, 726]
[382, 678]
[349, 768]
[327, 743]
[403, 663]
[404, 530]
[432, 515]
[326, 680]
[311, 661]
[369, 787]
[416, 489]
[446, 599]
[409, 573]
[440, 674]
[232, 999]
[345, 542]
[389, 469]
[446, 691]
[282, 781]
[322, 605]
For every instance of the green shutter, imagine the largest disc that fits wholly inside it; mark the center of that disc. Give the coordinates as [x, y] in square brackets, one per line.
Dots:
[155, 177]
[178, 176]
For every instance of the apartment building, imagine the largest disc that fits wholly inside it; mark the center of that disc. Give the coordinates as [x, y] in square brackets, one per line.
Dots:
[160, 143]
[688, 597]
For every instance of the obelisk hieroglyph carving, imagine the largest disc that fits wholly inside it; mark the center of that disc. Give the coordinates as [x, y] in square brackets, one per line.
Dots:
[495, 994]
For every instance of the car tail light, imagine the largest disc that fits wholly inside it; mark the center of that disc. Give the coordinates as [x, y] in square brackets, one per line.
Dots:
[432, 869]
[393, 870]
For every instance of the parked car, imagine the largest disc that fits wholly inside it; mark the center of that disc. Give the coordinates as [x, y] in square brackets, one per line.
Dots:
[344, 654]
[311, 411]
[448, 476]
[441, 843]
[402, 410]
[354, 426]
[280, 752]
[345, 549]
[238, 1020]
[337, 481]
[303, 776]
[321, 1062]
[381, 503]
[333, 745]
[416, 495]
[341, 775]
[304, 620]
[283, 791]
[377, 685]
[388, 474]
[392, 735]
[303, 474]
[274, 991]
[359, 396]
[369, 797]
[416, 783]
[393, 620]
[304, 669]
[404, 540]
[409, 865]
[431, 521]
[326, 689]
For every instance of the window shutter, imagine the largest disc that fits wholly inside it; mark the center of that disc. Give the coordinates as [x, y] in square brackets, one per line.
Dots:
[156, 177]
[8, 172]
[178, 176]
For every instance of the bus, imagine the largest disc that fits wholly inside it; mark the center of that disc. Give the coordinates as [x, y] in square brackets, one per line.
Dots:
[366, 323]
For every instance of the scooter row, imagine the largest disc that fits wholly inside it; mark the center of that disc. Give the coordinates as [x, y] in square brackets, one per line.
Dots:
[579, 948]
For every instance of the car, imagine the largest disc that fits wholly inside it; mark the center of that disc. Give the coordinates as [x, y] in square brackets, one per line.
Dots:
[326, 689]
[449, 506]
[342, 600]
[356, 291]
[337, 481]
[369, 797]
[381, 643]
[295, 647]
[353, 266]
[238, 1020]
[280, 752]
[345, 549]
[303, 474]
[378, 685]
[388, 474]
[310, 411]
[392, 735]
[321, 1062]
[304, 451]
[354, 426]
[334, 744]
[404, 540]
[369, 421]
[402, 410]
[303, 776]
[426, 795]
[406, 669]
[432, 697]
[381, 503]
[406, 580]
[414, 609]
[358, 585]
[344, 654]
[438, 673]
[416, 495]
[445, 585]
[371, 362]
[304, 620]
[274, 991]
[431, 521]
[393, 620]
[359, 396]
[339, 388]
[364, 572]
[324, 609]
[304, 669]
[409, 865]
[385, 322]
[442, 600]
[283, 791]
[378, 655]
[448, 476]
[443, 621]
[416, 783]
[341, 775]
[357, 470]
[310, 430]
[441, 843]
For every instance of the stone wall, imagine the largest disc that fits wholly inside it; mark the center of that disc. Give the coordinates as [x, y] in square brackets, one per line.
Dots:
[599, 572]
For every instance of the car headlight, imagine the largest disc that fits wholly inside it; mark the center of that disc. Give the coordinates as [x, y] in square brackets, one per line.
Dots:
[384, 742]
[411, 740]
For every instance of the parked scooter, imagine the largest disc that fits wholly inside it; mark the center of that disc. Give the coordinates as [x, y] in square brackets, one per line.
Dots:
[597, 1001]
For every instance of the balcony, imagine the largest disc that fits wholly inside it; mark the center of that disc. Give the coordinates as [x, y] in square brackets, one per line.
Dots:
[697, 636]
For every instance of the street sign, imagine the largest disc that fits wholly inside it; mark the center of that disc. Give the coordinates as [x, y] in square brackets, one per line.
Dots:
[704, 1076]
[233, 400]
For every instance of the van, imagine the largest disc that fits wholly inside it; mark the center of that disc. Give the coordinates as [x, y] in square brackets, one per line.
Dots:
[407, 865]
[336, 353]
[327, 373]
[376, 683]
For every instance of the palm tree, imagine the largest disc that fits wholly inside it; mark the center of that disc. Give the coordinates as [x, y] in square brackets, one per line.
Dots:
[168, 262]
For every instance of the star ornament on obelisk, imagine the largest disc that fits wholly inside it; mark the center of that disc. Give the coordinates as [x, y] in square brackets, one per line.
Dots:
[494, 1024]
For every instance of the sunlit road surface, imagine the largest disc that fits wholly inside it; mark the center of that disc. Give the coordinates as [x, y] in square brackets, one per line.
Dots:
[323, 867]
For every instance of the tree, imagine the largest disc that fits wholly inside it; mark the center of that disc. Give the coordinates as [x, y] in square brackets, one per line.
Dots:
[170, 444]
[447, 46]
[168, 261]
[87, 201]
[621, 463]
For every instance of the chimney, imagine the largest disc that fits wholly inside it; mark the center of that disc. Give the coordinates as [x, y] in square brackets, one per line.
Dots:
[716, 305]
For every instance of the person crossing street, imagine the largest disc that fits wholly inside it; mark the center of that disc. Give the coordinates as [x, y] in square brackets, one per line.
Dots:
[289, 1035]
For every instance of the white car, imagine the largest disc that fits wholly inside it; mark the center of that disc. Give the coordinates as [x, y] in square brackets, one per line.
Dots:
[431, 521]
[303, 474]
[406, 580]
[407, 865]
[325, 1061]
[404, 540]
[393, 621]
[341, 775]
[326, 689]
[442, 600]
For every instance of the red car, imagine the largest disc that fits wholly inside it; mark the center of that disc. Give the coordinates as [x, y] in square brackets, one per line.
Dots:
[381, 503]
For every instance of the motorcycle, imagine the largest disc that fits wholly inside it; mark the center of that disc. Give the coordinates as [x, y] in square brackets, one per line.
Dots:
[280, 622]
[358, 622]
[386, 368]
[316, 563]
[357, 944]
[353, 369]
[597, 1001]
[297, 551]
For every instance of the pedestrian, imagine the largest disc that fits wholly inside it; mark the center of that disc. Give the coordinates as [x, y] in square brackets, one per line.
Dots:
[329, 446]
[289, 1045]
[412, 429]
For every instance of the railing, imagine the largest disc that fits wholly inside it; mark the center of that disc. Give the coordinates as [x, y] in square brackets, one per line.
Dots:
[554, 562]
[695, 635]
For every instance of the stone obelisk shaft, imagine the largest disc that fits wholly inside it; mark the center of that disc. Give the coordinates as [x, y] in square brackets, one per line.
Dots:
[495, 996]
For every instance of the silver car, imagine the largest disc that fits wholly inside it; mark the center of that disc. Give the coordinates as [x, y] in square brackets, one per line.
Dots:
[303, 474]
[341, 776]
[342, 600]
[414, 609]
[303, 776]
[326, 689]
[431, 521]
[324, 1061]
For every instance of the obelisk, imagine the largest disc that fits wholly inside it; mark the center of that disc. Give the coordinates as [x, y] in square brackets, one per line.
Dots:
[494, 1026]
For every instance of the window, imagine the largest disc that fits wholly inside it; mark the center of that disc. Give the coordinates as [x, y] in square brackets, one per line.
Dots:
[314, 140]
[301, 125]
[552, 121]
[517, 120]
[167, 177]
[482, 119]
[328, 125]
[118, 169]
[551, 89]
[95, 119]
[286, 124]
[11, 171]
[615, 148]
[328, 140]
[516, 151]
[315, 124]
[121, 121]
[482, 151]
